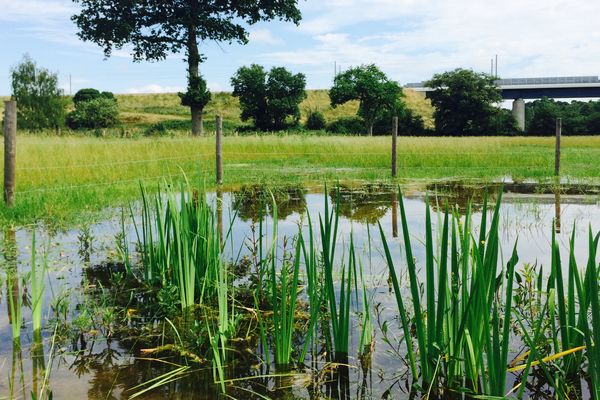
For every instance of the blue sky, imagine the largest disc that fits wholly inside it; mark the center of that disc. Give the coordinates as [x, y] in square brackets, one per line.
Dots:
[409, 39]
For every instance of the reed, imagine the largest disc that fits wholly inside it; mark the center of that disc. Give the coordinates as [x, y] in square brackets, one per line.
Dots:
[284, 292]
[462, 336]
[338, 301]
[37, 277]
[180, 245]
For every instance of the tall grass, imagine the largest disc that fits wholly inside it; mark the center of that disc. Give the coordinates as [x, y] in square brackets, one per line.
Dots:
[284, 292]
[462, 336]
[180, 245]
[37, 277]
[338, 301]
[75, 175]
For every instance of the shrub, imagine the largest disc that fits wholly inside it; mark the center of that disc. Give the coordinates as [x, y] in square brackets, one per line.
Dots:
[409, 124]
[91, 94]
[86, 95]
[346, 125]
[168, 128]
[97, 113]
[315, 121]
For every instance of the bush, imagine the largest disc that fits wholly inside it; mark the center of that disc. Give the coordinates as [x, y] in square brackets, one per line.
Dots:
[347, 126]
[97, 113]
[315, 121]
[91, 94]
[85, 95]
[168, 128]
[409, 124]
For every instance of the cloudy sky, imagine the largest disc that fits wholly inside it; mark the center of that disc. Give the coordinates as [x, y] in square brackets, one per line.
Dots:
[409, 39]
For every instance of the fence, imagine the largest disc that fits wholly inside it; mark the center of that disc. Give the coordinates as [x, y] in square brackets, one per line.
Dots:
[392, 154]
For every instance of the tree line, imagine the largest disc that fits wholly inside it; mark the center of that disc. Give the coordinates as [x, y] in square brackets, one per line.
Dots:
[465, 104]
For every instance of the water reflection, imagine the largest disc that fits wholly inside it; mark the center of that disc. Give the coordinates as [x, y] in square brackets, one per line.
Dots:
[368, 203]
[111, 368]
[250, 201]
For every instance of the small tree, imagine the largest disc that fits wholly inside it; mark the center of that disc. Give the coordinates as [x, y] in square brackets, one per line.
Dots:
[269, 98]
[464, 102]
[156, 28]
[371, 87]
[39, 100]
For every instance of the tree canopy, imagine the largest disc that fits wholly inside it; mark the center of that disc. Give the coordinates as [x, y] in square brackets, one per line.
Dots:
[39, 99]
[464, 102]
[155, 28]
[578, 117]
[377, 94]
[269, 98]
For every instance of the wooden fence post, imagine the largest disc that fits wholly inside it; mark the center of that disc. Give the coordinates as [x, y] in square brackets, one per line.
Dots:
[10, 151]
[557, 152]
[394, 145]
[219, 157]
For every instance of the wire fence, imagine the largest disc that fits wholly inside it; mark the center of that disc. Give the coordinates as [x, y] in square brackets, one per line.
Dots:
[413, 163]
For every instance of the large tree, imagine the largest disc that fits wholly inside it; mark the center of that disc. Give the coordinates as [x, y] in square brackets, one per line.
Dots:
[464, 101]
[269, 98]
[377, 94]
[156, 28]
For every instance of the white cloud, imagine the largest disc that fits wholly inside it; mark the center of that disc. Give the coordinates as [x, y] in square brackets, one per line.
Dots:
[155, 88]
[17, 10]
[412, 40]
[263, 36]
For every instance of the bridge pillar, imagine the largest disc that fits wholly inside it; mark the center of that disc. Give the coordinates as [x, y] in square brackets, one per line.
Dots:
[518, 112]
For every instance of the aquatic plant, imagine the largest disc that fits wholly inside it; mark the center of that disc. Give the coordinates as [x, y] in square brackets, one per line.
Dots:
[455, 337]
[180, 244]
[37, 277]
[338, 305]
[284, 292]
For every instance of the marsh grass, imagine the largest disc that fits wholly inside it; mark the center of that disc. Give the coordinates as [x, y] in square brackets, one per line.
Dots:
[181, 246]
[456, 341]
[458, 314]
[37, 278]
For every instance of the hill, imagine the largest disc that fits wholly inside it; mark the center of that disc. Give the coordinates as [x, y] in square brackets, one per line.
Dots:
[146, 109]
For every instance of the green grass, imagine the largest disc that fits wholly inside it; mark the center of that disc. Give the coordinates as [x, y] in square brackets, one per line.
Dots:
[65, 178]
[144, 109]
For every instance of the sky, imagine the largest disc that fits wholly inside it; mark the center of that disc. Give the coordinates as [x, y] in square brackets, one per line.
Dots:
[410, 40]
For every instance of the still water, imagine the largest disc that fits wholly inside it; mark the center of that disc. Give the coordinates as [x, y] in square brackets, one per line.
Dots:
[102, 365]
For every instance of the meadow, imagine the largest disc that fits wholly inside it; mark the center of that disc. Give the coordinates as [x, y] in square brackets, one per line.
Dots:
[264, 289]
[63, 178]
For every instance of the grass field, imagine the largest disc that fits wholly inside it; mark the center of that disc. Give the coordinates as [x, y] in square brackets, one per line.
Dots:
[151, 108]
[140, 111]
[62, 178]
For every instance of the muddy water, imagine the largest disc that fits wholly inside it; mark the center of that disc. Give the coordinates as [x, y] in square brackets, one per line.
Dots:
[97, 366]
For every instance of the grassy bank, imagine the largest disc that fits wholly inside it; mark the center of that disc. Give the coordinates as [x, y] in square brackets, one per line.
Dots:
[60, 178]
[138, 112]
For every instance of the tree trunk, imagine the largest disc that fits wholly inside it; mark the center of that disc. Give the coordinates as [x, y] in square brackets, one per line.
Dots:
[370, 129]
[197, 122]
[194, 72]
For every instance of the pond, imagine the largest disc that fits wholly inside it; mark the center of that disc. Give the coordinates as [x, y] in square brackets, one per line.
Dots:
[89, 348]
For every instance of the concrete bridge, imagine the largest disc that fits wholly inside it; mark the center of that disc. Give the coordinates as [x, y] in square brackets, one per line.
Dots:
[519, 89]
